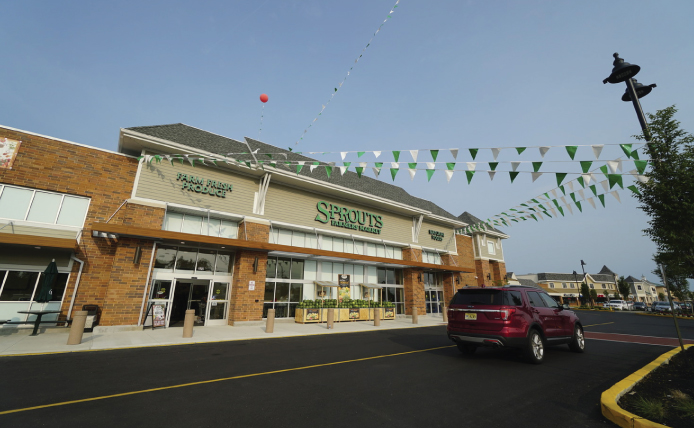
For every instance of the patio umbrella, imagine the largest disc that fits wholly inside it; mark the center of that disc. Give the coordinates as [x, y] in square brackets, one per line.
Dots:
[49, 276]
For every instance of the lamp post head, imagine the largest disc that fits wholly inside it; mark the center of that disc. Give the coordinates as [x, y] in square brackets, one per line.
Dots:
[621, 70]
[641, 90]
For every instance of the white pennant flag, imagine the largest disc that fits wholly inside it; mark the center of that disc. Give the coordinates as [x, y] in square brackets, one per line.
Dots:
[570, 209]
[495, 152]
[454, 153]
[605, 185]
[343, 154]
[313, 167]
[587, 178]
[431, 165]
[563, 199]
[449, 174]
[471, 166]
[377, 154]
[597, 149]
[148, 158]
[535, 175]
[591, 201]
[554, 193]
[395, 165]
[514, 165]
[643, 178]
[363, 164]
[553, 212]
[414, 154]
[619, 165]
[570, 185]
[613, 166]
[581, 193]
[412, 173]
[301, 163]
[491, 175]
[376, 171]
[539, 215]
[543, 151]
[343, 169]
[616, 196]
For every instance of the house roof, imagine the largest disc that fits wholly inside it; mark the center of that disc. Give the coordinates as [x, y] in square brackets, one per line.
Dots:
[632, 279]
[549, 276]
[468, 218]
[606, 270]
[528, 282]
[602, 277]
[203, 140]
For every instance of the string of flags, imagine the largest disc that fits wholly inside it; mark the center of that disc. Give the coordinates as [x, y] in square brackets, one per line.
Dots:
[337, 88]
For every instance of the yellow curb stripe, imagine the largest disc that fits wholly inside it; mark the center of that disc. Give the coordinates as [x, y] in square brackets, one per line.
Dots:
[665, 316]
[214, 341]
[593, 325]
[608, 399]
[202, 382]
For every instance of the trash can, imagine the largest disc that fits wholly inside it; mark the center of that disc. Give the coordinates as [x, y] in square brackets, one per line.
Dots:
[93, 315]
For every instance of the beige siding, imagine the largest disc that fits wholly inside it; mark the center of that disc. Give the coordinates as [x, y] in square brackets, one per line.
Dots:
[294, 206]
[425, 240]
[484, 251]
[158, 181]
[40, 231]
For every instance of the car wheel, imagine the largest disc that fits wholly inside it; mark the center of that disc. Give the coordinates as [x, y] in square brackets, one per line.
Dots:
[578, 342]
[466, 349]
[535, 350]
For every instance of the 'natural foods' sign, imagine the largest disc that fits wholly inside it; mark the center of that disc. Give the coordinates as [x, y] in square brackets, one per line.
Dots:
[200, 185]
[349, 218]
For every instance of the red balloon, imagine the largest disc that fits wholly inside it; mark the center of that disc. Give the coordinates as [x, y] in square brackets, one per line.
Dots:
[263, 98]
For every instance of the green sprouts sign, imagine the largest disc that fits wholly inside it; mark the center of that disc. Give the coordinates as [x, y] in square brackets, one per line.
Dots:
[349, 218]
[201, 185]
[436, 236]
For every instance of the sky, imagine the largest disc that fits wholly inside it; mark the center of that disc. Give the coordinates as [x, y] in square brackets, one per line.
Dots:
[438, 75]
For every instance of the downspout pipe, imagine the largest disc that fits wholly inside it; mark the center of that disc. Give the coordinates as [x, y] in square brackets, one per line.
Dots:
[77, 284]
[144, 293]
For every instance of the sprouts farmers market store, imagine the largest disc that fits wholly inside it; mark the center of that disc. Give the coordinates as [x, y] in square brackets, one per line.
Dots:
[159, 224]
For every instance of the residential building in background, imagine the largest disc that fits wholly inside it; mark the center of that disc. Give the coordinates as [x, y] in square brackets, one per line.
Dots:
[490, 266]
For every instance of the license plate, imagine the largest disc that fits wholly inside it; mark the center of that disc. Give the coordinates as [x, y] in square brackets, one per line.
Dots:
[472, 316]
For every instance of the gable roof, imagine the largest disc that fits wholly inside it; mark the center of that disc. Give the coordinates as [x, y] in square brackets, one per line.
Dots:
[602, 278]
[632, 279]
[468, 218]
[203, 140]
[606, 270]
[549, 276]
[529, 283]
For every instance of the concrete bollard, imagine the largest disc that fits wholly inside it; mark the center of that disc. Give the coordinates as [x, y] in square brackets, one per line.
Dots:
[331, 318]
[415, 317]
[445, 314]
[270, 325]
[188, 323]
[377, 317]
[77, 328]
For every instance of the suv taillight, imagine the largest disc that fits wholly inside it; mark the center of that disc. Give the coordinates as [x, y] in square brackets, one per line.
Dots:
[505, 314]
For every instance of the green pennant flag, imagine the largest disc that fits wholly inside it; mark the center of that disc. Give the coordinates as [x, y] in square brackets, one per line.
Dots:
[561, 211]
[604, 170]
[434, 154]
[556, 204]
[536, 166]
[269, 155]
[513, 175]
[535, 201]
[573, 196]
[571, 150]
[298, 168]
[525, 205]
[513, 209]
[520, 149]
[248, 163]
[412, 165]
[578, 205]
[360, 170]
[594, 189]
[139, 158]
[641, 165]
[450, 166]
[580, 181]
[635, 154]
[430, 173]
[626, 148]
[542, 207]
[585, 166]
[602, 200]
[493, 165]
[634, 189]
[272, 164]
[157, 158]
[347, 164]
[547, 214]
[615, 179]
[504, 222]
[396, 155]
[473, 153]
[547, 196]
[513, 219]
[393, 172]
[469, 176]
[563, 191]
[532, 209]
[560, 177]
[328, 170]
[378, 164]
[533, 216]
[360, 154]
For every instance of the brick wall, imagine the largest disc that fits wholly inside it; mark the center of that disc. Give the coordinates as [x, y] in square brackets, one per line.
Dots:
[498, 271]
[247, 305]
[414, 291]
[482, 269]
[254, 231]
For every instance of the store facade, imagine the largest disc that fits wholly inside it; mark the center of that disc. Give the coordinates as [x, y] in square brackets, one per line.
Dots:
[161, 231]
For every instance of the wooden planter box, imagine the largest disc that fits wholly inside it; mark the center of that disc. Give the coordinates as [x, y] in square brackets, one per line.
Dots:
[304, 316]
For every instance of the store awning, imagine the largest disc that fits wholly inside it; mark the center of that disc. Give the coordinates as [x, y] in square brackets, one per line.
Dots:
[563, 294]
[326, 283]
[368, 285]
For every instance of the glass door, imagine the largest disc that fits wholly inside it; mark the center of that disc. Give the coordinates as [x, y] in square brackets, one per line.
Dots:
[218, 306]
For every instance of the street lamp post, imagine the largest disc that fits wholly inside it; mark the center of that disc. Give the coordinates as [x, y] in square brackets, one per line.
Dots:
[577, 286]
[584, 279]
[624, 72]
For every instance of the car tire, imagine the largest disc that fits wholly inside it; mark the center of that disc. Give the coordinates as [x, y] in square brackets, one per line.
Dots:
[535, 349]
[578, 341]
[466, 349]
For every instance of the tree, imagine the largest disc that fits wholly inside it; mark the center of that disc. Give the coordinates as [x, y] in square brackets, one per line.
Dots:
[668, 196]
[661, 296]
[624, 287]
[585, 292]
[593, 296]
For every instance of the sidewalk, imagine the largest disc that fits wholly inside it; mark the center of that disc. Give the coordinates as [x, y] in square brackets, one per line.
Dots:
[16, 341]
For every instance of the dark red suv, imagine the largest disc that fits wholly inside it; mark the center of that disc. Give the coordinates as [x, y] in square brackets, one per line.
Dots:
[515, 317]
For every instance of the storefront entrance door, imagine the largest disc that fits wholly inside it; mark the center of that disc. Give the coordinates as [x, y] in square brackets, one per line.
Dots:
[189, 294]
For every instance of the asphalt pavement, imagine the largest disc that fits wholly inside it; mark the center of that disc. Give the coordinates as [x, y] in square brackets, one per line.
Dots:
[408, 377]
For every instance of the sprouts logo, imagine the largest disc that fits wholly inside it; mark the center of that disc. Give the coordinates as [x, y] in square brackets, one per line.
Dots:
[349, 218]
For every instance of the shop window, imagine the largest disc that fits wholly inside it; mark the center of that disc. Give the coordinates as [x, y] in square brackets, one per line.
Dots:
[298, 239]
[297, 269]
[490, 247]
[192, 260]
[326, 243]
[284, 237]
[223, 263]
[206, 259]
[165, 257]
[339, 245]
[191, 224]
[431, 257]
[284, 268]
[44, 207]
[370, 249]
[283, 297]
[271, 271]
[161, 290]
[389, 276]
[200, 225]
[380, 250]
[397, 296]
[19, 286]
[349, 246]
[185, 259]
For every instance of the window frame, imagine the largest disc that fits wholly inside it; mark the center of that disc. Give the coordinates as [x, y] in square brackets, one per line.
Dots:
[55, 223]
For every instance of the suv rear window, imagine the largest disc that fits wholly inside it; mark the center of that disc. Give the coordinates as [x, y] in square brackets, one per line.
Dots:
[487, 297]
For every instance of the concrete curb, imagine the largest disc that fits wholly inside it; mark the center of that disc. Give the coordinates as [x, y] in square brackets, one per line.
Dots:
[665, 316]
[609, 398]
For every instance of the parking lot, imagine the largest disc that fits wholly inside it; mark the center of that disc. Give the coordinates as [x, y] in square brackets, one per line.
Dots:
[413, 377]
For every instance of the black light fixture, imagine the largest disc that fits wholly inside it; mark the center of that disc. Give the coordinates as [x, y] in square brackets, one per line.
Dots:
[419, 277]
[457, 280]
[641, 90]
[138, 253]
[255, 265]
[489, 276]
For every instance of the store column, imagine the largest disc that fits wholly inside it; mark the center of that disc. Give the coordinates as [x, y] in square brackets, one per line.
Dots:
[466, 259]
[248, 287]
[413, 282]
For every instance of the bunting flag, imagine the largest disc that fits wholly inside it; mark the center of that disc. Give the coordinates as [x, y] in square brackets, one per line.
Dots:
[412, 169]
[414, 154]
[454, 153]
[536, 166]
[396, 155]
[473, 153]
[634, 189]
[332, 95]
[602, 199]
[571, 150]
[469, 175]
[495, 153]
[513, 175]
[560, 177]
[520, 149]
[434, 154]
[536, 175]
[597, 149]
[543, 151]
[627, 149]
